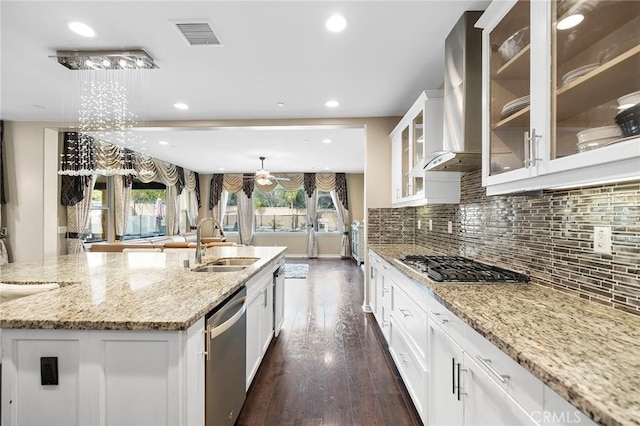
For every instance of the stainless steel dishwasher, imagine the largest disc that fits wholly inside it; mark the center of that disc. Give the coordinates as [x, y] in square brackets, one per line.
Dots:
[225, 368]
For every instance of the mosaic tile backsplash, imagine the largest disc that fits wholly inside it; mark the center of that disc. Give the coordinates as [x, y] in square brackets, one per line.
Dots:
[548, 236]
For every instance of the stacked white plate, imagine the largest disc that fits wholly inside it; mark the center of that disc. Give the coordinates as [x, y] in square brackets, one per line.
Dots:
[515, 105]
[629, 100]
[579, 72]
[598, 137]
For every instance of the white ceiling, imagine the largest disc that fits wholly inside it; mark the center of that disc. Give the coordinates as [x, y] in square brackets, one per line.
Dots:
[272, 51]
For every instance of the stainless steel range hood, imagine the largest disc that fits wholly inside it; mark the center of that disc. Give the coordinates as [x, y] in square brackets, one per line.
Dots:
[462, 131]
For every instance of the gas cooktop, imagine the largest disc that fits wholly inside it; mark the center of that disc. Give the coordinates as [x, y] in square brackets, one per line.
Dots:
[460, 269]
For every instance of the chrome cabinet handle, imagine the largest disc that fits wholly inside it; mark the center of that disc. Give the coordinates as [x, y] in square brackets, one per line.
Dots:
[405, 312]
[530, 148]
[207, 343]
[402, 359]
[437, 315]
[527, 150]
[487, 364]
[385, 323]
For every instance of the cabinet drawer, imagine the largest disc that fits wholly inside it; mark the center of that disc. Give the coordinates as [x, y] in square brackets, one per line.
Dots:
[450, 324]
[519, 383]
[383, 316]
[412, 371]
[413, 319]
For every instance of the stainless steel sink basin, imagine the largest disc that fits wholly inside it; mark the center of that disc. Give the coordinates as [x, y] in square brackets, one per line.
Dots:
[245, 261]
[219, 268]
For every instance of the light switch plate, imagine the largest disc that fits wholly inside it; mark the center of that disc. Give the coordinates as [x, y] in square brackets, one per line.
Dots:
[450, 227]
[602, 239]
[430, 225]
[419, 224]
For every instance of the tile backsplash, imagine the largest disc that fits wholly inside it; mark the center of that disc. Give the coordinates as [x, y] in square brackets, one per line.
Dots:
[548, 236]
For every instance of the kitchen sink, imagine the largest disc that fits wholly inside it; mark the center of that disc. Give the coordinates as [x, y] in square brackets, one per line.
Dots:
[245, 261]
[219, 268]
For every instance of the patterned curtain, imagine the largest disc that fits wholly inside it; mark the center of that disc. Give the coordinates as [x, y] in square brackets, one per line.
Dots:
[341, 190]
[171, 220]
[122, 200]
[309, 183]
[246, 218]
[343, 224]
[215, 190]
[3, 198]
[180, 180]
[78, 218]
[312, 208]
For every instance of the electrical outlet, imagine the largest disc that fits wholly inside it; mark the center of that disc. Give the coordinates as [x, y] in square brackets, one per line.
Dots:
[450, 227]
[430, 225]
[419, 224]
[3, 232]
[602, 239]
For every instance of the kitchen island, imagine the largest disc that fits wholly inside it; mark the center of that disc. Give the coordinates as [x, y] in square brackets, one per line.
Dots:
[586, 353]
[126, 330]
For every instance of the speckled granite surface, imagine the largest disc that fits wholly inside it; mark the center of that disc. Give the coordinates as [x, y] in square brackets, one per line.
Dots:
[124, 291]
[587, 353]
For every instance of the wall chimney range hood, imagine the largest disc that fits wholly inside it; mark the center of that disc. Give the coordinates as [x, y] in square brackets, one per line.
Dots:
[462, 130]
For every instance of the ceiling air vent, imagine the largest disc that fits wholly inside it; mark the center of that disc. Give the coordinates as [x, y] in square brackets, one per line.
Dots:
[197, 33]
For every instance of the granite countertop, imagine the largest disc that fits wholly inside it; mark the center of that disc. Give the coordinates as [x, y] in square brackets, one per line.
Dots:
[587, 353]
[124, 291]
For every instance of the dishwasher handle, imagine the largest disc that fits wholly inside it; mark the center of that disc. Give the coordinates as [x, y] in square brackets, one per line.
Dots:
[218, 330]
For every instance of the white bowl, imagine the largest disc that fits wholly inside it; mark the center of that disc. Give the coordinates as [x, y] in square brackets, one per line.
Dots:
[595, 133]
[596, 143]
[629, 100]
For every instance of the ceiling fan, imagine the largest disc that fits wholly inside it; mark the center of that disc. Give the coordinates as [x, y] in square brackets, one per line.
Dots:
[262, 176]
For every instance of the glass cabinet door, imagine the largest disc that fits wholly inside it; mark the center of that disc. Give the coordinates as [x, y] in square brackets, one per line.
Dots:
[417, 139]
[509, 86]
[596, 70]
[406, 164]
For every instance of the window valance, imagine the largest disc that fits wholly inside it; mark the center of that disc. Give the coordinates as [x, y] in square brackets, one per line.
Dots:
[235, 182]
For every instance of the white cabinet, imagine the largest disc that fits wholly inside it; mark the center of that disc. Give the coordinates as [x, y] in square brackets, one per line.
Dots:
[418, 133]
[445, 357]
[380, 292]
[104, 377]
[259, 322]
[278, 289]
[542, 85]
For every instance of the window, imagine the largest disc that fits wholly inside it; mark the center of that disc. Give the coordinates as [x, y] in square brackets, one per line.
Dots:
[326, 215]
[280, 211]
[98, 227]
[283, 211]
[146, 210]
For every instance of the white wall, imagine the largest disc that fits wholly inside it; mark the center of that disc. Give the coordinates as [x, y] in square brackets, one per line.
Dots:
[30, 213]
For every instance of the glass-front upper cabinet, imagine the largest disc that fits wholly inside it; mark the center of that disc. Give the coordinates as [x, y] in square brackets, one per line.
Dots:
[418, 134]
[596, 73]
[561, 84]
[509, 85]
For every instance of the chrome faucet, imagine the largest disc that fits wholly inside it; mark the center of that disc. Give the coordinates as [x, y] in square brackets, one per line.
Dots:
[216, 225]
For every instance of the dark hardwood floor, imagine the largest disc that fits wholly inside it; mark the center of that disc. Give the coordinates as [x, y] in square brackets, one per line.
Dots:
[329, 365]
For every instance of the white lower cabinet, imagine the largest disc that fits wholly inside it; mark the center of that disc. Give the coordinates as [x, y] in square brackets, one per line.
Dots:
[445, 357]
[104, 377]
[453, 374]
[259, 322]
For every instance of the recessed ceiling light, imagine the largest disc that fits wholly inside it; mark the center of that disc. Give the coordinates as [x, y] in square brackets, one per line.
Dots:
[326, 141]
[332, 103]
[336, 23]
[81, 29]
[280, 104]
[327, 168]
[221, 169]
[306, 141]
[570, 21]
[163, 142]
[180, 105]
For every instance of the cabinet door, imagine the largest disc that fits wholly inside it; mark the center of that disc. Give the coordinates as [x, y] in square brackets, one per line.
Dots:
[396, 169]
[254, 314]
[266, 319]
[445, 359]
[485, 402]
[279, 301]
[508, 112]
[596, 60]
[373, 287]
